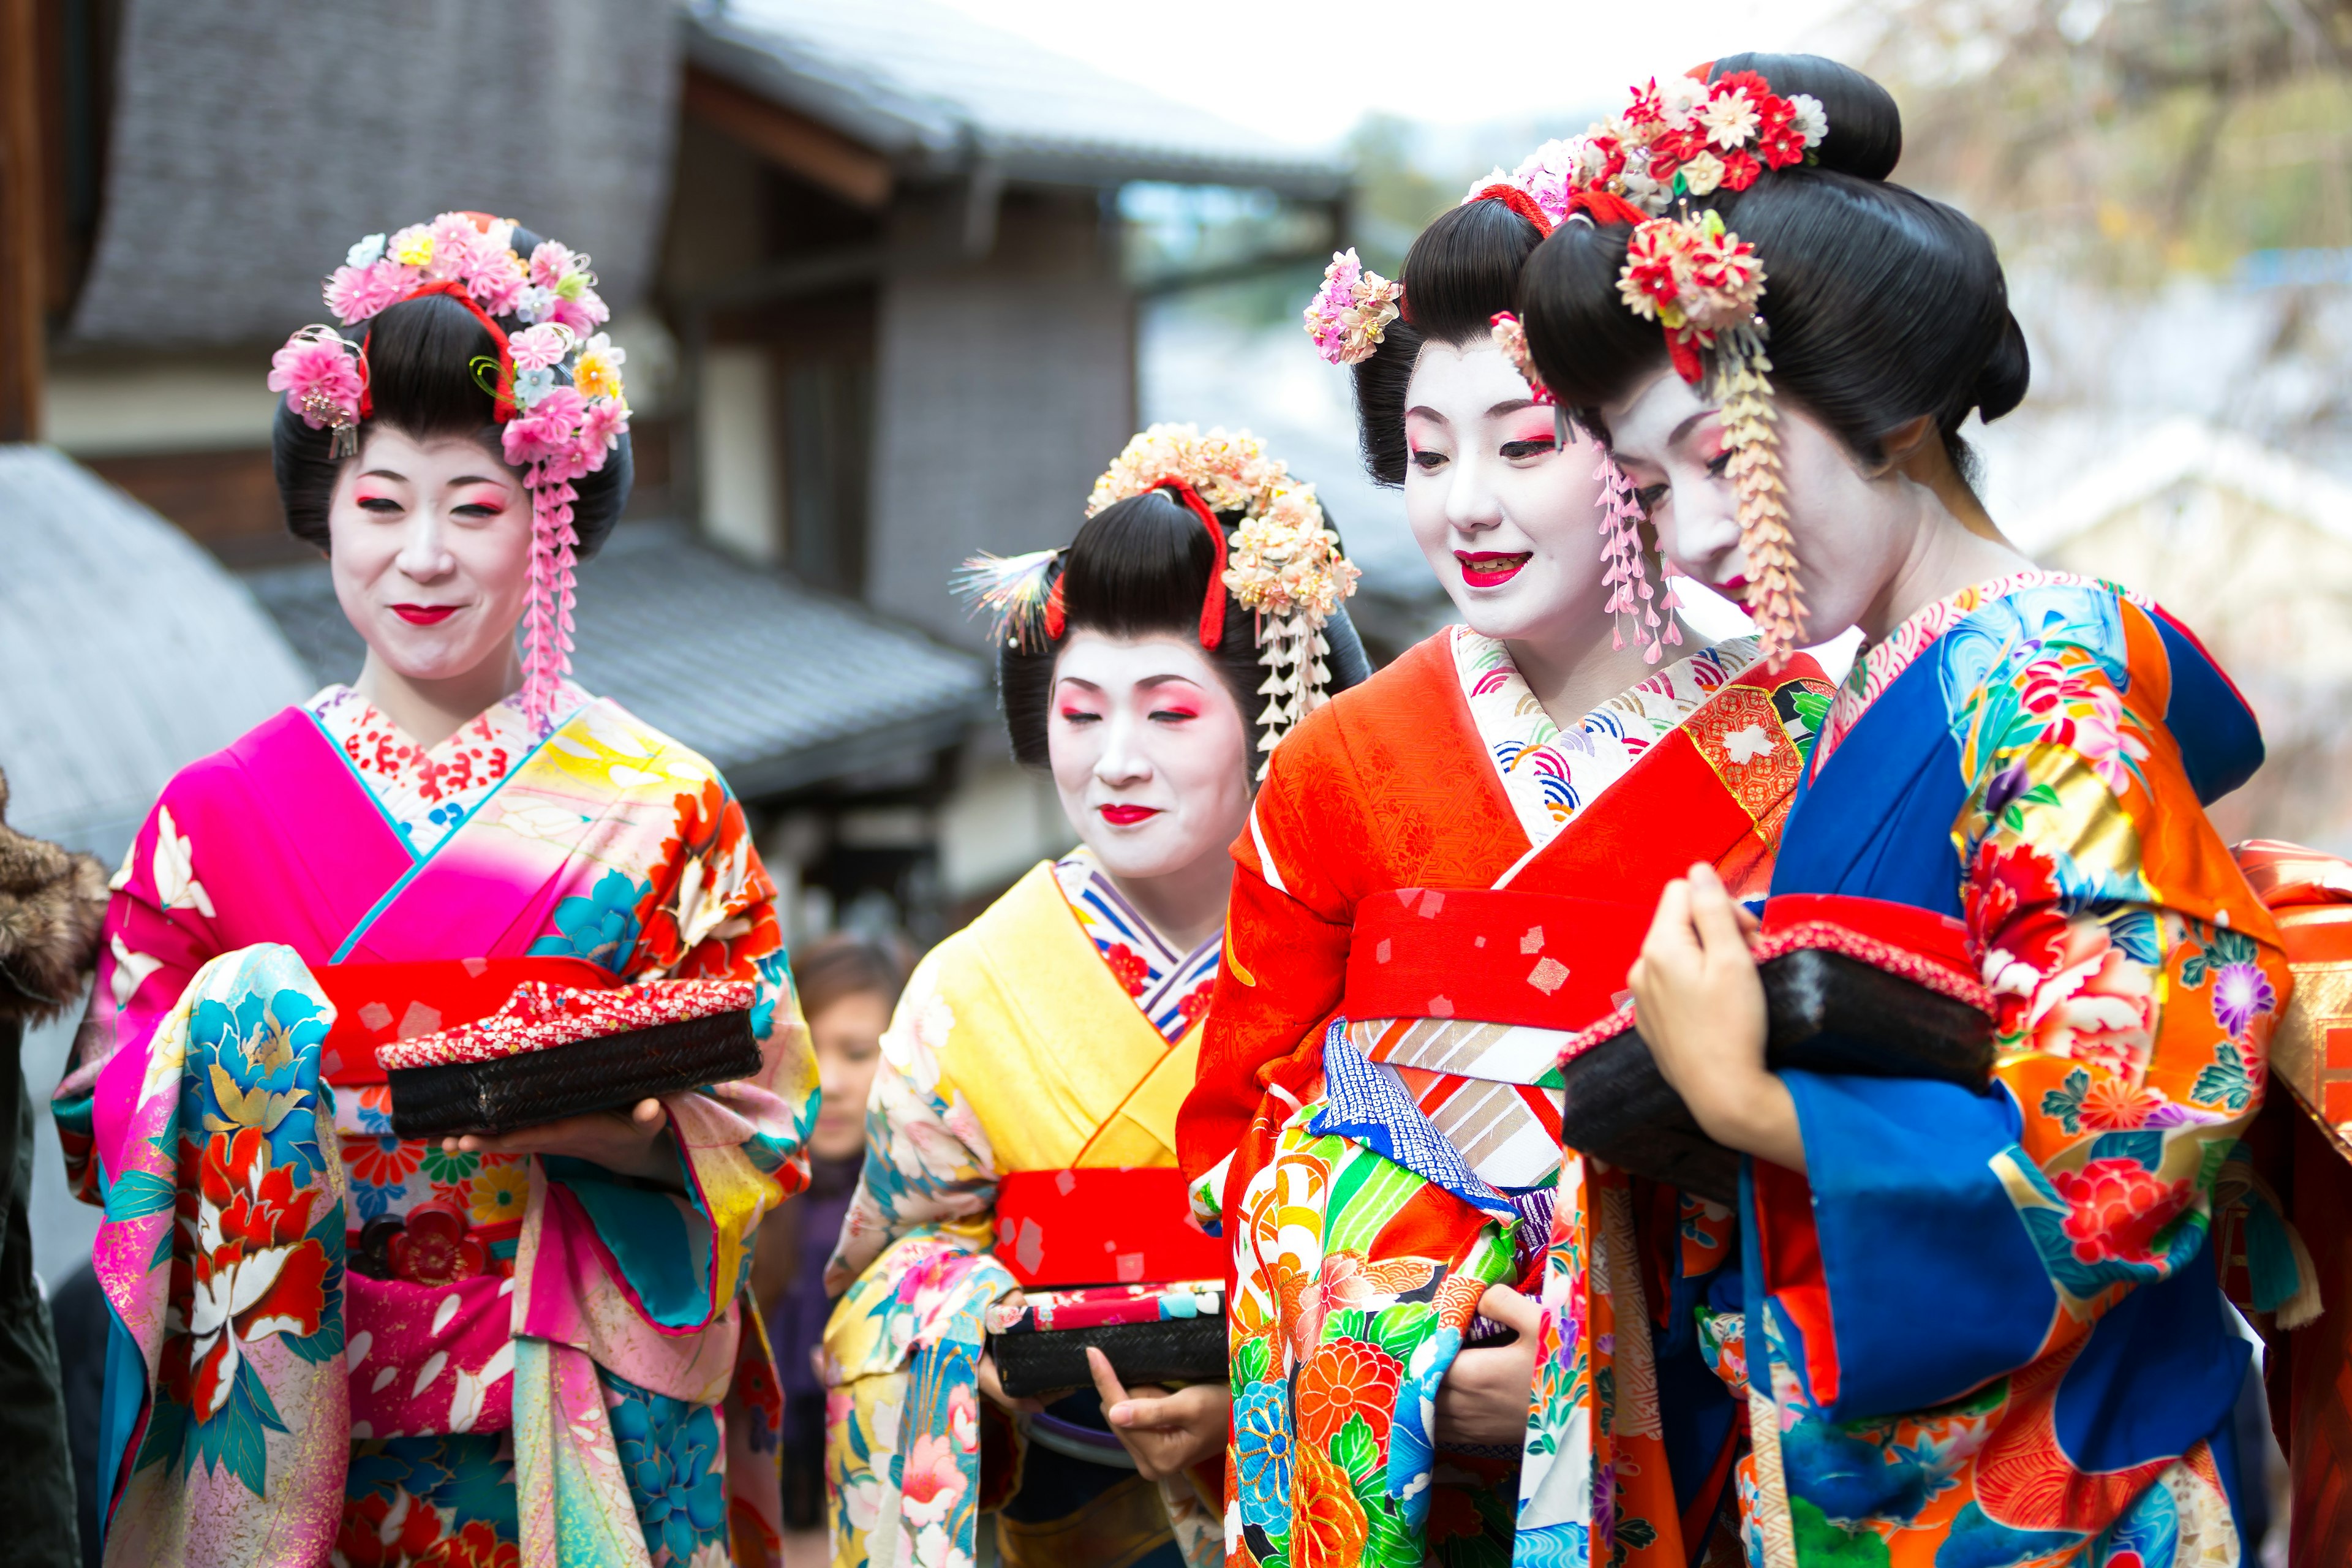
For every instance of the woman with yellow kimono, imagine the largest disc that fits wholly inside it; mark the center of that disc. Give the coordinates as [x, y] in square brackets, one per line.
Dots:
[1022, 1130]
[1443, 880]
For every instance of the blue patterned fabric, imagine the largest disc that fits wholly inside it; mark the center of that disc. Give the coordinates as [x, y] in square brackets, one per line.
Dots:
[1364, 1101]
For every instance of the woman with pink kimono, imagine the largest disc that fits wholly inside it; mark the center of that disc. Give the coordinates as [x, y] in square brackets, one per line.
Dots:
[328, 1340]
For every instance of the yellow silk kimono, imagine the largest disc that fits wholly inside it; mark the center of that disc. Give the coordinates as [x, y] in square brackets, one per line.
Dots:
[1022, 1044]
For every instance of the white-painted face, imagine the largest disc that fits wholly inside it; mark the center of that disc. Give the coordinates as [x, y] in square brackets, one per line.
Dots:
[1150, 752]
[1507, 519]
[431, 552]
[1851, 536]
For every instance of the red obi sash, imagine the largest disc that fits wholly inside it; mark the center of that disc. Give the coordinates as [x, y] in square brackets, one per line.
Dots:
[1101, 1225]
[376, 1003]
[1549, 945]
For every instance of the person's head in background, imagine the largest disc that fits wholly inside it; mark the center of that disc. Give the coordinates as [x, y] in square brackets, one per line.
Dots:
[847, 985]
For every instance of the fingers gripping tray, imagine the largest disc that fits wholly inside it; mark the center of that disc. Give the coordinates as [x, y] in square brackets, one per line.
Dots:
[1851, 986]
[1152, 1334]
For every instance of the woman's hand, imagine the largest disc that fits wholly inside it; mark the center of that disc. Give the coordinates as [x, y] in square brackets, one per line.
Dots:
[993, 1385]
[1700, 1003]
[1166, 1435]
[1486, 1393]
[636, 1142]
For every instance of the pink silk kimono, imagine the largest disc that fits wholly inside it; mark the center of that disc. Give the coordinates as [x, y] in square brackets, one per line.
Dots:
[549, 1364]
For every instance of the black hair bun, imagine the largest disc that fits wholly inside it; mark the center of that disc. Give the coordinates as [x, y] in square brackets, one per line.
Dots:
[1866, 137]
[2000, 386]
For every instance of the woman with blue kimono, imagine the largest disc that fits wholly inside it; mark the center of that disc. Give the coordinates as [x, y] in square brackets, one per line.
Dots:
[1970, 1328]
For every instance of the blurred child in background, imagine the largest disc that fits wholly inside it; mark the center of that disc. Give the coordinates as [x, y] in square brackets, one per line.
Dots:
[847, 984]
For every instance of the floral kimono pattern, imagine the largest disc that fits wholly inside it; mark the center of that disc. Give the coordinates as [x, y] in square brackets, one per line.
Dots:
[1985, 1329]
[331, 1343]
[1405, 1154]
[1050, 1035]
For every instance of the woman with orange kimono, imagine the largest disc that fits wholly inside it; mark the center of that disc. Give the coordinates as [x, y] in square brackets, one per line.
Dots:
[1442, 879]
[1021, 1136]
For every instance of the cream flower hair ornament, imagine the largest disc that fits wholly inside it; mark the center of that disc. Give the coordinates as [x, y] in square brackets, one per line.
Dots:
[555, 385]
[1283, 562]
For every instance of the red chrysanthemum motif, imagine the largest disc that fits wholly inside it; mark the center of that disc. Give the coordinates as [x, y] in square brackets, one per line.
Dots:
[1344, 1378]
[1752, 83]
[1196, 1001]
[1647, 109]
[1126, 967]
[2117, 1207]
[2115, 1106]
[1650, 265]
[1777, 141]
[1674, 148]
[1328, 1526]
[434, 1248]
[1740, 168]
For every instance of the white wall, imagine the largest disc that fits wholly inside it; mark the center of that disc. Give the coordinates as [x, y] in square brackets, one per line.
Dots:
[740, 469]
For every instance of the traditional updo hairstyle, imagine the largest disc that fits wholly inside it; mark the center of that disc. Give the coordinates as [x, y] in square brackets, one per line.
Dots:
[421, 356]
[1882, 304]
[1141, 566]
[1462, 269]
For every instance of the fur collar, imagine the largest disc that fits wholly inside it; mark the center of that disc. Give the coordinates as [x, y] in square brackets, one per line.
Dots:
[52, 907]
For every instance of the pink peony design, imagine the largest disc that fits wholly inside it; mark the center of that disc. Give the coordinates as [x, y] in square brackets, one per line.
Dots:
[2117, 1208]
[934, 1480]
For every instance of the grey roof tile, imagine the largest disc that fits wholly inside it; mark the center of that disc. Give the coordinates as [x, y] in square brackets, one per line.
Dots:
[920, 82]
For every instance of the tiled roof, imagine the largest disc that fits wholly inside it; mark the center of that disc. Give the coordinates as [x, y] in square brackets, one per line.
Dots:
[126, 653]
[930, 86]
[779, 686]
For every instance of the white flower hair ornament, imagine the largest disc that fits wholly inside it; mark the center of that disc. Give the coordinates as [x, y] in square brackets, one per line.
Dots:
[555, 386]
[1283, 562]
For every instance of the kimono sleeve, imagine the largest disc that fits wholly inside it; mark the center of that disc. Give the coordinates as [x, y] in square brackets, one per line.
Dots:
[1287, 929]
[161, 928]
[2138, 979]
[712, 916]
[930, 1171]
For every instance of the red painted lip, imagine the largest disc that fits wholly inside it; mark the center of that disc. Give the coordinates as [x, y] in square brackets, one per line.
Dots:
[1736, 590]
[1126, 816]
[1487, 569]
[425, 614]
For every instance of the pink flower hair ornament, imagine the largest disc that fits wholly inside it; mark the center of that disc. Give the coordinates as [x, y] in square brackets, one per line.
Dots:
[1353, 309]
[555, 387]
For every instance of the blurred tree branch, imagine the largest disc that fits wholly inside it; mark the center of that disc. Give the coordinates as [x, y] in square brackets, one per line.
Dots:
[2126, 133]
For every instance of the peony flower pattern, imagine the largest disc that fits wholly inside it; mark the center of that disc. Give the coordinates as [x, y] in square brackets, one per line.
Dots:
[254, 1270]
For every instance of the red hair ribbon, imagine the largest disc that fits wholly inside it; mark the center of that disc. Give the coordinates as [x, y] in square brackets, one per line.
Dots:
[1602, 207]
[502, 401]
[1212, 608]
[1520, 202]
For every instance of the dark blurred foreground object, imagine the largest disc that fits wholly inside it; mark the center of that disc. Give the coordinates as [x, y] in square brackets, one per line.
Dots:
[51, 907]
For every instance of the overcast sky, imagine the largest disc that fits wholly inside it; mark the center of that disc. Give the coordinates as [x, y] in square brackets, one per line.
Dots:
[1307, 71]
